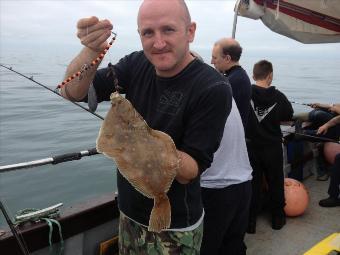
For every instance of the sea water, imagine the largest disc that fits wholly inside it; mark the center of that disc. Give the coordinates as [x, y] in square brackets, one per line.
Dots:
[36, 124]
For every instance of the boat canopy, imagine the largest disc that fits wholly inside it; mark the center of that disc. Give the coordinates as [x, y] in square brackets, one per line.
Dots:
[307, 21]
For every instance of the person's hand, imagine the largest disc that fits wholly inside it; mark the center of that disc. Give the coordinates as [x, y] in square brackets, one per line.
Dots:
[93, 33]
[320, 106]
[335, 108]
[322, 130]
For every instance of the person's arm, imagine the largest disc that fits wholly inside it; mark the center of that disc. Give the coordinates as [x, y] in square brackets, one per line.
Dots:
[188, 169]
[286, 110]
[331, 123]
[93, 34]
[320, 106]
[204, 131]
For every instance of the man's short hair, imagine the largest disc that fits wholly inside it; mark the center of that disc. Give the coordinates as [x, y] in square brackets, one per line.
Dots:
[262, 69]
[187, 17]
[234, 51]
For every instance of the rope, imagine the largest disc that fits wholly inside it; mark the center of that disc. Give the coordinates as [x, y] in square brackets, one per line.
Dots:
[46, 217]
[50, 226]
[277, 10]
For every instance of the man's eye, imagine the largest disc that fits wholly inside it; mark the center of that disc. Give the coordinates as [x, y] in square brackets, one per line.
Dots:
[147, 33]
[169, 30]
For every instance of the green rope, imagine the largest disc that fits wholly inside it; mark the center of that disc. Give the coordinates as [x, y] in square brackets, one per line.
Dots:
[50, 225]
[49, 221]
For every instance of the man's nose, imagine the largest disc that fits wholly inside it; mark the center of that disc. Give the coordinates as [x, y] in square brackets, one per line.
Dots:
[159, 42]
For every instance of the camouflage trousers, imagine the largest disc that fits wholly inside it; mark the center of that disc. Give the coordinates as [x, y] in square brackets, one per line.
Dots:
[135, 239]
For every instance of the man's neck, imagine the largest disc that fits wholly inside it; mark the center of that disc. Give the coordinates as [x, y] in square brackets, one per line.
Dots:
[262, 83]
[232, 65]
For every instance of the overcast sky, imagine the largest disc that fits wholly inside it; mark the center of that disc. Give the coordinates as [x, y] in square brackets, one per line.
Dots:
[54, 21]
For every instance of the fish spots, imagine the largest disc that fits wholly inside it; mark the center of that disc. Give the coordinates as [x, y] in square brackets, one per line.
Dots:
[148, 158]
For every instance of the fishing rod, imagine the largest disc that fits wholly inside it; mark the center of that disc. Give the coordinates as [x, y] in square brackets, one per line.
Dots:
[323, 139]
[53, 91]
[78, 74]
[295, 102]
[21, 244]
[52, 160]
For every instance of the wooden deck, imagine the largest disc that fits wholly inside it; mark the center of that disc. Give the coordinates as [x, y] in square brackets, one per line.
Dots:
[300, 233]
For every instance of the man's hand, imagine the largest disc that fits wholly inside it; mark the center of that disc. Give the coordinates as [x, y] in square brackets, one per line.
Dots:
[188, 169]
[323, 129]
[319, 106]
[93, 33]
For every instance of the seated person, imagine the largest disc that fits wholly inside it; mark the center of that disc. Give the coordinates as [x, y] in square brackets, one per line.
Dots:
[334, 188]
[322, 113]
[325, 124]
[332, 123]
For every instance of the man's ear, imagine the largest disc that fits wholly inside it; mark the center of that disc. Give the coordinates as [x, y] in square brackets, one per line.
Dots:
[226, 57]
[270, 78]
[191, 31]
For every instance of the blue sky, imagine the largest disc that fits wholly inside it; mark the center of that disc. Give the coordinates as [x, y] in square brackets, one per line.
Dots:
[54, 21]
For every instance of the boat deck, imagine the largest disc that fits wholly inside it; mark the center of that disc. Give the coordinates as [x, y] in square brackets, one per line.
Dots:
[300, 233]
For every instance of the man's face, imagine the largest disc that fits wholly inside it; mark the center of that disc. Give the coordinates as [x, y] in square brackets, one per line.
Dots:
[219, 60]
[165, 37]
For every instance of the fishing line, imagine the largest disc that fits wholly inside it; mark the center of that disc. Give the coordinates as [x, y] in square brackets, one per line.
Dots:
[80, 74]
[53, 91]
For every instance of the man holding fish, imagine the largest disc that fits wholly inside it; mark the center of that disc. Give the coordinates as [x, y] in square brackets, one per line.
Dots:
[174, 93]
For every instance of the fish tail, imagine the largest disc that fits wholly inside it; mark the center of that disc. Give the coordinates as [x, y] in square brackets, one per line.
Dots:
[160, 217]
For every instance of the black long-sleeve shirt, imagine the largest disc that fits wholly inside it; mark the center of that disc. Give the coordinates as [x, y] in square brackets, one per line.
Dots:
[241, 87]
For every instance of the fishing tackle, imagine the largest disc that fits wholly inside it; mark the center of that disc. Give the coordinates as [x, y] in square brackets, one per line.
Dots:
[53, 91]
[80, 74]
[112, 73]
[86, 67]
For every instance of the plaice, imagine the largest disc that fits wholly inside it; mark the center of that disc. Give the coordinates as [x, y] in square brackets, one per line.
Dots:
[147, 158]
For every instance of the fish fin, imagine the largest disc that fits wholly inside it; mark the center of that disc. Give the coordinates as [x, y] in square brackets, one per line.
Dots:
[160, 217]
[137, 184]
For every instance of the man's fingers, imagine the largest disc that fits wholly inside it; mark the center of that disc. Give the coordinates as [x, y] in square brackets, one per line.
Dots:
[96, 40]
[86, 22]
[99, 26]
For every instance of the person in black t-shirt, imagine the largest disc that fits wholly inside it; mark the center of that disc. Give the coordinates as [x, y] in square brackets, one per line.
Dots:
[226, 54]
[175, 93]
[270, 107]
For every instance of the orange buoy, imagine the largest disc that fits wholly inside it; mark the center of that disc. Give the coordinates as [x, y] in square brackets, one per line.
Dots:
[330, 150]
[296, 196]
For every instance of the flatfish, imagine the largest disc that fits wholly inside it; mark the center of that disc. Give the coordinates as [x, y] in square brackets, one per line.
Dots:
[147, 158]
